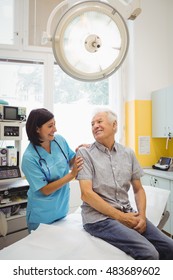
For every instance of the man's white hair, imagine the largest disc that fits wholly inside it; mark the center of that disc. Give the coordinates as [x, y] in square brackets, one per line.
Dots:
[112, 116]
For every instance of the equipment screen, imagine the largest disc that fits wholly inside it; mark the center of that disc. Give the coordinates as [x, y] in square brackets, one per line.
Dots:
[10, 113]
[165, 160]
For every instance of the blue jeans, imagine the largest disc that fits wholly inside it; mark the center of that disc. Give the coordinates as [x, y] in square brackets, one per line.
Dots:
[153, 244]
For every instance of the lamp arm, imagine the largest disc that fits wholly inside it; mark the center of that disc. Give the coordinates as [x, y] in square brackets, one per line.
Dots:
[47, 34]
[129, 9]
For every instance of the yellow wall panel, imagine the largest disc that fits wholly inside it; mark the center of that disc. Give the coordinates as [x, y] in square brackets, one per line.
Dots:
[130, 124]
[138, 122]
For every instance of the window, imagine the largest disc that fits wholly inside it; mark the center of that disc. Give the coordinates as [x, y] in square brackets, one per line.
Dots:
[21, 84]
[74, 103]
[73, 100]
[8, 22]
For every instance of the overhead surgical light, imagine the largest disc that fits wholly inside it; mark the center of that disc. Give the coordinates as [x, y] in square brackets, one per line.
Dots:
[90, 38]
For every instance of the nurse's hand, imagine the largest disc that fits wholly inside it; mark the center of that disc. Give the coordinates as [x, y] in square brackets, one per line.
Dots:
[82, 145]
[77, 166]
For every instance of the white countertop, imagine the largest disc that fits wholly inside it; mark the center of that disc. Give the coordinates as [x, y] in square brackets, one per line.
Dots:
[163, 174]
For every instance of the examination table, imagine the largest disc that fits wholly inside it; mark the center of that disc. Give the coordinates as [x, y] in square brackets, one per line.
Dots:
[66, 239]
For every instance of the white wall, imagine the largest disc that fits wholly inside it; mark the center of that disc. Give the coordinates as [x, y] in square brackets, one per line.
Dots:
[149, 64]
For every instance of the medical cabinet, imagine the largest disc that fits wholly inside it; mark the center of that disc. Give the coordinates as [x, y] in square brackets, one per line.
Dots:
[163, 180]
[13, 200]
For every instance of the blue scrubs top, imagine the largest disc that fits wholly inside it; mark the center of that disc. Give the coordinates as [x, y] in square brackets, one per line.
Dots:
[42, 208]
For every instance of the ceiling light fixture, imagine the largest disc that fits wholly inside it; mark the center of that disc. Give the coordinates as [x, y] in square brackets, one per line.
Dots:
[90, 39]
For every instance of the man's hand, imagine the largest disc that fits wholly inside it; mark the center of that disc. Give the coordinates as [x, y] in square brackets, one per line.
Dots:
[130, 219]
[141, 226]
[135, 221]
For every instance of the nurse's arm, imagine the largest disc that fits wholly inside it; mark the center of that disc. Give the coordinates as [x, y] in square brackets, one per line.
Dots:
[54, 186]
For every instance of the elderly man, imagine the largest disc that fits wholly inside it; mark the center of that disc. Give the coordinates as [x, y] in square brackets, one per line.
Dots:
[109, 169]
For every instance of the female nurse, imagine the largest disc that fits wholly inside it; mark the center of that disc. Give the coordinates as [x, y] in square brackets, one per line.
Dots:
[49, 165]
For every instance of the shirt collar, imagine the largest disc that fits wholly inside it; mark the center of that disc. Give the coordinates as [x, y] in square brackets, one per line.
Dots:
[105, 149]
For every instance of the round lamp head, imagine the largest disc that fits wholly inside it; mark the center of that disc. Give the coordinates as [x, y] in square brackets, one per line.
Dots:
[90, 41]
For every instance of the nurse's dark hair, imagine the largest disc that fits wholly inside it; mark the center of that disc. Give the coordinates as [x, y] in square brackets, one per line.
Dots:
[35, 120]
